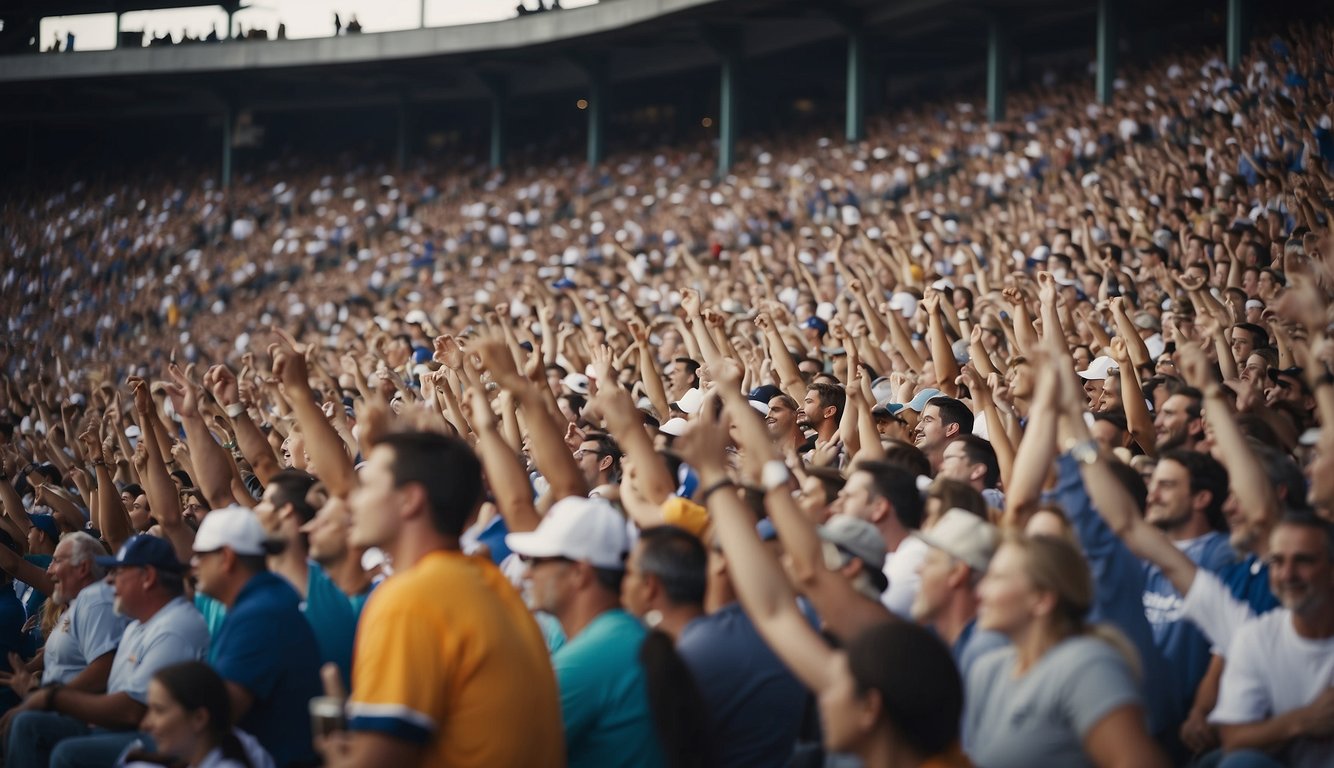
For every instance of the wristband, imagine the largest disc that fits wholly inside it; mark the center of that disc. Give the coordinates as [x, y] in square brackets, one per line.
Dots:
[234, 410]
[718, 486]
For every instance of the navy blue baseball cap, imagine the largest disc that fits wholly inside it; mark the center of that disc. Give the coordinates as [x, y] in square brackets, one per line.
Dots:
[144, 550]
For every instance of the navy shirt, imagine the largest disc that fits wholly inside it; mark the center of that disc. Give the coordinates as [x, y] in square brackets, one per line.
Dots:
[266, 646]
[754, 703]
[1119, 580]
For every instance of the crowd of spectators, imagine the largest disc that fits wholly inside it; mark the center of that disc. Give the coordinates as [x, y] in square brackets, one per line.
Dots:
[969, 444]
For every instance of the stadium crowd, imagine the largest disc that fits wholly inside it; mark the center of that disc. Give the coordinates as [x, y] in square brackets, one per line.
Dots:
[994, 445]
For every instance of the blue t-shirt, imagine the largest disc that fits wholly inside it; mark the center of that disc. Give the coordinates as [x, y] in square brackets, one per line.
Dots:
[1183, 646]
[1248, 581]
[1118, 599]
[333, 615]
[754, 704]
[264, 646]
[604, 696]
[972, 644]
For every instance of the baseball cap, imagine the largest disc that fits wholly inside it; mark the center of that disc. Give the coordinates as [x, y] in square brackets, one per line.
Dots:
[1148, 322]
[1098, 370]
[144, 549]
[817, 324]
[46, 524]
[857, 537]
[920, 400]
[887, 410]
[691, 400]
[235, 528]
[963, 536]
[576, 383]
[579, 528]
[674, 427]
[765, 392]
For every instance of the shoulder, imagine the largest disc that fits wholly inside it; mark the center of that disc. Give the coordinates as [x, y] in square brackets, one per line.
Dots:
[604, 642]
[990, 666]
[1261, 633]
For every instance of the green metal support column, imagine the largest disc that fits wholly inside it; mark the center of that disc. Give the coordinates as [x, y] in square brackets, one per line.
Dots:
[497, 130]
[997, 66]
[1106, 73]
[728, 111]
[228, 117]
[402, 139]
[1238, 21]
[597, 115]
[855, 129]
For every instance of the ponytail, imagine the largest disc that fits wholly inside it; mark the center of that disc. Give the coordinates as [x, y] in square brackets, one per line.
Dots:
[232, 749]
[675, 704]
[1114, 637]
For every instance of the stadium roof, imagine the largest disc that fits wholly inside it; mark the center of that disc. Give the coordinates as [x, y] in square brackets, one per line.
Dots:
[539, 53]
[44, 8]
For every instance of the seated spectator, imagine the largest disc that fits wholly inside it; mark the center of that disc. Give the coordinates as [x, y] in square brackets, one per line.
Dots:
[189, 720]
[1275, 689]
[68, 727]
[1060, 691]
[753, 704]
[269, 675]
[576, 560]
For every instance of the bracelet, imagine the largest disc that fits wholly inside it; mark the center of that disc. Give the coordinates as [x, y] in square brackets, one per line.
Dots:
[234, 410]
[712, 489]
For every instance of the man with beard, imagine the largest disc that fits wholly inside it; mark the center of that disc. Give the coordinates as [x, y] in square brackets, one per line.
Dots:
[822, 409]
[782, 421]
[82, 645]
[1275, 703]
[1185, 501]
[1178, 425]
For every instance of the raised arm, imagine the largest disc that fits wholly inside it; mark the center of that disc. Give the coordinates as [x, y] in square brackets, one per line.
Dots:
[755, 573]
[504, 472]
[162, 496]
[1114, 502]
[326, 448]
[844, 610]
[545, 434]
[212, 464]
[254, 446]
[626, 425]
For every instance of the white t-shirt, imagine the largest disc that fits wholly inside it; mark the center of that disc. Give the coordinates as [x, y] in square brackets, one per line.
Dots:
[901, 570]
[1272, 670]
[1215, 610]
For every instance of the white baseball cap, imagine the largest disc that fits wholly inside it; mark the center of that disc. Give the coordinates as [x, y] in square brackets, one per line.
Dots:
[581, 529]
[1099, 369]
[964, 536]
[235, 528]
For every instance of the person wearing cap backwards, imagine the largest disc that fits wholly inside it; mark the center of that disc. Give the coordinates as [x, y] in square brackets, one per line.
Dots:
[71, 728]
[960, 548]
[264, 647]
[576, 561]
[447, 654]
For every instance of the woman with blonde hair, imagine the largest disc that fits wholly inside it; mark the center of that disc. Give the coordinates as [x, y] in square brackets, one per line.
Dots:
[1064, 693]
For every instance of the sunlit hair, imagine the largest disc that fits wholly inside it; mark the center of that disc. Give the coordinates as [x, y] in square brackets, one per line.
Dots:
[1056, 566]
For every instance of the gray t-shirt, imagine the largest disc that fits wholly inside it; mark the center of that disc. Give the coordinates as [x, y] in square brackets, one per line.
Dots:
[1042, 717]
[89, 629]
[174, 634]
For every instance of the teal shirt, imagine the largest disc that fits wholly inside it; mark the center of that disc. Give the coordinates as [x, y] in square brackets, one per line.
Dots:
[552, 632]
[604, 697]
[213, 610]
[333, 615]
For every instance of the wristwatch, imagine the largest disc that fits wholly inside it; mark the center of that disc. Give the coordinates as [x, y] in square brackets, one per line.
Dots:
[774, 475]
[1085, 452]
